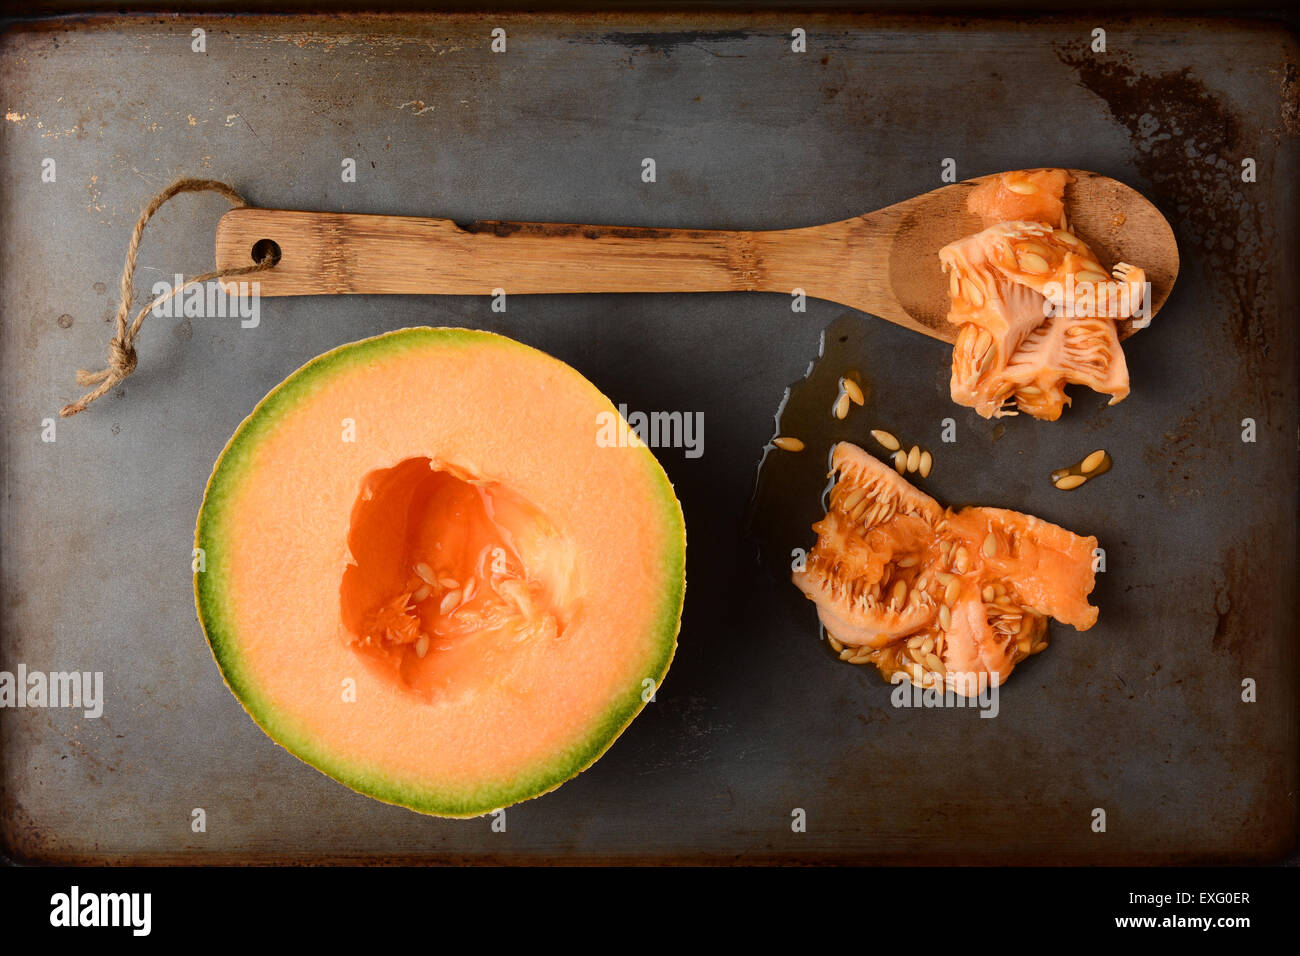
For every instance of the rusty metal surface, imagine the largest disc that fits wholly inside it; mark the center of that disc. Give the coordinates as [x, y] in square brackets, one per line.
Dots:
[1142, 716]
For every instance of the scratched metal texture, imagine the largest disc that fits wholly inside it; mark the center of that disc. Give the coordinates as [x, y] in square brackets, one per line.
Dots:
[1141, 716]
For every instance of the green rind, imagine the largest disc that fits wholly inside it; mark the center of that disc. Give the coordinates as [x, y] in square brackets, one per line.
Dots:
[232, 465]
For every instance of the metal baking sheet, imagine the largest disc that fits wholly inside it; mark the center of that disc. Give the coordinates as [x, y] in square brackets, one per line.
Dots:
[1142, 716]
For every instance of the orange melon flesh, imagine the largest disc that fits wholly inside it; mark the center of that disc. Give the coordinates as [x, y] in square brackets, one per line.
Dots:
[1016, 350]
[477, 457]
[895, 576]
[1033, 194]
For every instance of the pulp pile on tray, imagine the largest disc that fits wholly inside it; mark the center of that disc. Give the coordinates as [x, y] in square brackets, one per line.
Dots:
[949, 599]
[1037, 311]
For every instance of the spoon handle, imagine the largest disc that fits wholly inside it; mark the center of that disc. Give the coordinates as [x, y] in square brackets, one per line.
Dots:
[325, 253]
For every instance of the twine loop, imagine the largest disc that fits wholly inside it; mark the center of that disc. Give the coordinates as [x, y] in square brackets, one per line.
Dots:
[122, 359]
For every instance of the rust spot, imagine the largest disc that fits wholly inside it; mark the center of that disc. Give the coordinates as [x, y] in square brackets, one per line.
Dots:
[1222, 608]
[668, 43]
[1291, 99]
[1189, 145]
[1245, 602]
[20, 837]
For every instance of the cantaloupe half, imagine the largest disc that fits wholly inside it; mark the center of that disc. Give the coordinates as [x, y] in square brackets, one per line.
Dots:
[426, 575]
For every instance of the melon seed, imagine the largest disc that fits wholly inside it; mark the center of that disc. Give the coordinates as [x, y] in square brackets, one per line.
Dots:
[927, 461]
[842, 405]
[1096, 463]
[422, 645]
[853, 391]
[914, 458]
[987, 362]
[1032, 262]
[449, 601]
[788, 444]
[852, 500]
[900, 461]
[886, 440]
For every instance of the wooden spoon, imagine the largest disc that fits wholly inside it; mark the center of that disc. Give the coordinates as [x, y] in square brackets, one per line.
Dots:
[885, 262]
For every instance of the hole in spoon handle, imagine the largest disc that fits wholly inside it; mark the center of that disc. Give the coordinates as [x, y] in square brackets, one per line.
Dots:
[264, 248]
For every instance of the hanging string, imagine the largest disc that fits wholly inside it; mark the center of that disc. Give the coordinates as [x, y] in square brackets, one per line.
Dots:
[121, 348]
